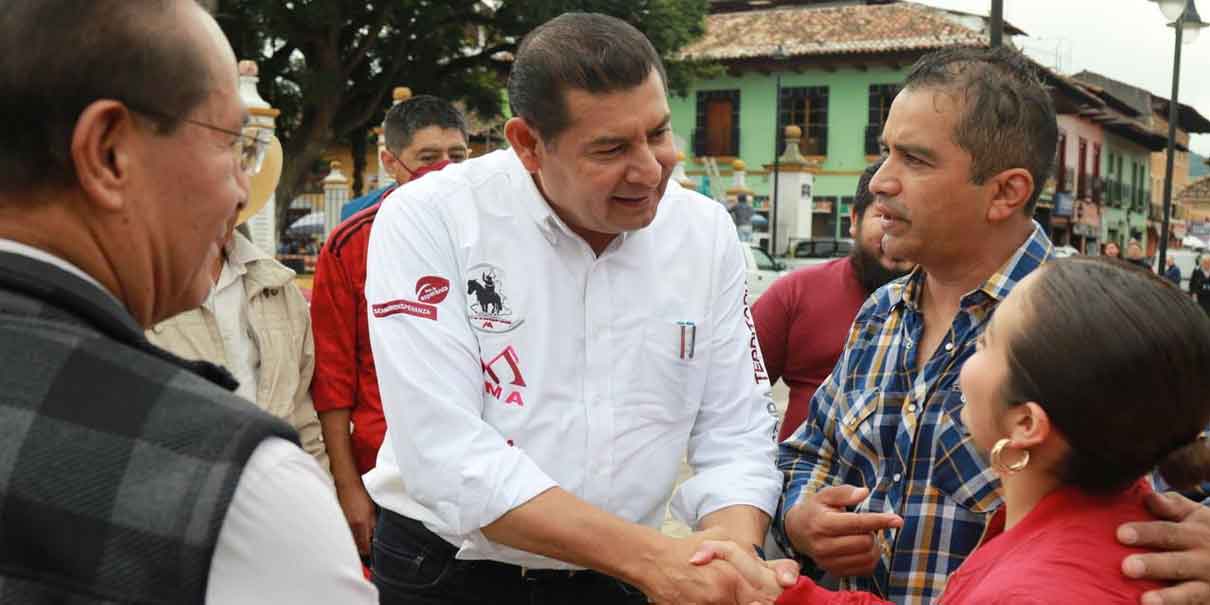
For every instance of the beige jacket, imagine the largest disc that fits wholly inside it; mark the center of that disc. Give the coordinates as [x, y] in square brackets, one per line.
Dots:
[281, 327]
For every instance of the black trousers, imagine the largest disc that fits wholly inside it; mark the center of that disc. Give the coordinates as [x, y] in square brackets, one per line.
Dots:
[414, 566]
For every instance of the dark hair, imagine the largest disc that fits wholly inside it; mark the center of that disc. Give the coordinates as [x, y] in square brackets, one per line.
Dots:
[59, 56]
[864, 197]
[1117, 357]
[417, 113]
[1008, 118]
[583, 51]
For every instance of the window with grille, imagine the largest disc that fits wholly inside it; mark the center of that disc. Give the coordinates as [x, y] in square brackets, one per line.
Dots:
[881, 96]
[807, 108]
[716, 131]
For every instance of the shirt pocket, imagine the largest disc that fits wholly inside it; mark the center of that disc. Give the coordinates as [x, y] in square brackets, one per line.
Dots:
[960, 472]
[671, 356]
[861, 432]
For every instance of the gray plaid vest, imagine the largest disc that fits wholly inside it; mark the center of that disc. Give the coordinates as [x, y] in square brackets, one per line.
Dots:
[117, 459]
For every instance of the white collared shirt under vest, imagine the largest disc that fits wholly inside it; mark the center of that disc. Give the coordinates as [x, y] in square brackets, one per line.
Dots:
[511, 359]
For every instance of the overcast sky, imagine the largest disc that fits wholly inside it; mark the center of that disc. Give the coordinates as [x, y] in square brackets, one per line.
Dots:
[1124, 39]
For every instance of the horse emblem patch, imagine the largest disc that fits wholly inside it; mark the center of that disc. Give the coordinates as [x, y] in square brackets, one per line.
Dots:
[487, 301]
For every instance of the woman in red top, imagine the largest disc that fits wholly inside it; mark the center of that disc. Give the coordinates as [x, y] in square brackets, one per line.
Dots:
[1091, 374]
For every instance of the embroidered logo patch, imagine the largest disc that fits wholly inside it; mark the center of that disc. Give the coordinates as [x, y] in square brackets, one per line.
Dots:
[432, 289]
[488, 306]
[407, 307]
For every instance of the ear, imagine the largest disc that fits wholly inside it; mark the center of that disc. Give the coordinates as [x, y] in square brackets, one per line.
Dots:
[1011, 190]
[853, 218]
[1030, 425]
[526, 142]
[103, 146]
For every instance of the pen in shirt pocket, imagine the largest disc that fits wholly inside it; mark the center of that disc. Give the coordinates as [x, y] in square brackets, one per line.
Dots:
[687, 340]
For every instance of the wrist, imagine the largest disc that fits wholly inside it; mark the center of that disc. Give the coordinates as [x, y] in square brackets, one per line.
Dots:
[651, 547]
[793, 522]
[346, 484]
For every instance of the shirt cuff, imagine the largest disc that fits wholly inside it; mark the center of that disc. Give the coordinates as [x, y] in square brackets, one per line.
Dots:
[731, 485]
[499, 485]
[326, 402]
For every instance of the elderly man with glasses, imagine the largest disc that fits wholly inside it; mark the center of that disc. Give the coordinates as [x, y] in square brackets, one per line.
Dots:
[128, 474]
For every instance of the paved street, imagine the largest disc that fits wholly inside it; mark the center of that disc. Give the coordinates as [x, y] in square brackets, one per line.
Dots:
[673, 527]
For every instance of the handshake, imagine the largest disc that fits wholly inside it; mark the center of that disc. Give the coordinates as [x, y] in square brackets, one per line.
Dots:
[719, 572]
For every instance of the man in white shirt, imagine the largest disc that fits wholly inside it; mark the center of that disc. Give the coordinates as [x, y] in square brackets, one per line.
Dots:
[128, 475]
[548, 345]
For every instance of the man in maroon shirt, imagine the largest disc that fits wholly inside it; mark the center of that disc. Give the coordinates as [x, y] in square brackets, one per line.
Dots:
[803, 319]
[422, 134]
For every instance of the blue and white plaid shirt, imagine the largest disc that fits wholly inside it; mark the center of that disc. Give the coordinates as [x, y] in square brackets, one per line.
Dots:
[883, 422]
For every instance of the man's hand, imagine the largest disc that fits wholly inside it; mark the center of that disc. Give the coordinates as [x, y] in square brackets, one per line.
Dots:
[780, 572]
[359, 512]
[840, 542]
[674, 580]
[1185, 536]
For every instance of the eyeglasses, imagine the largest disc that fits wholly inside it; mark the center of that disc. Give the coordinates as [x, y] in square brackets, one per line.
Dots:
[250, 146]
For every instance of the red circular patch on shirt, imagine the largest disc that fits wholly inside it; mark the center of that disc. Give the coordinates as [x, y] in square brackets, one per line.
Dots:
[432, 289]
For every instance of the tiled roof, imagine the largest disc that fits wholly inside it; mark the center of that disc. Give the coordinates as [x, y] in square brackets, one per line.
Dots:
[1190, 120]
[1137, 98]
[830, 30]
[1198, 190]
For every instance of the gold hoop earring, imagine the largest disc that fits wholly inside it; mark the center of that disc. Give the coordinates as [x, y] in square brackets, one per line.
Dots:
[1016, 467]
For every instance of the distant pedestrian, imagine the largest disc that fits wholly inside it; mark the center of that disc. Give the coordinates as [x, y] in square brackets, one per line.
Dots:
[1199, 283]
[1111, 250]
[741, 213]
[1172, 272]
[1134, 254]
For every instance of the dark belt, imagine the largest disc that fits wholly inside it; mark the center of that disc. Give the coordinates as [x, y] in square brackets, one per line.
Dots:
[496, 569]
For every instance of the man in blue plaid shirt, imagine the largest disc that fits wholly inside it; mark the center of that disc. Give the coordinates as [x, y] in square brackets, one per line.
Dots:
[884, 489]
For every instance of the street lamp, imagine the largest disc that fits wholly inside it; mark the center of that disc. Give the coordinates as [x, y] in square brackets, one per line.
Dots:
[778, 55]
[1187, 24]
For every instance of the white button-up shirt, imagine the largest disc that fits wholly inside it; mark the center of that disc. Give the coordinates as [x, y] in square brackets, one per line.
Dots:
[512, 359]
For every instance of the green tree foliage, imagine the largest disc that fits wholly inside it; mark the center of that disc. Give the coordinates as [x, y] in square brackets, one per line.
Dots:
[330, 65]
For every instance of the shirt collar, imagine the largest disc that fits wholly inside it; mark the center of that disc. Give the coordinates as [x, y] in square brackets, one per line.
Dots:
[1035, 250]
[538, 208]
[8, 245]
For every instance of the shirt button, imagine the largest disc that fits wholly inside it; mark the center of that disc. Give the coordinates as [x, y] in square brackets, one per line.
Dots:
[949, 346]
[853, 422]
[911, 408]
[896, 477]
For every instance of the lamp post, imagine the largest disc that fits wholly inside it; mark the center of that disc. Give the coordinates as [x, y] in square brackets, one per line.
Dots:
[778, 55]
[997, 23]
[1186, 22]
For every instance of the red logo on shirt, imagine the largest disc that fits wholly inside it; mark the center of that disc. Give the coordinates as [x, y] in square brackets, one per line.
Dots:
[407, 307]
[432, 289]
[493, 373]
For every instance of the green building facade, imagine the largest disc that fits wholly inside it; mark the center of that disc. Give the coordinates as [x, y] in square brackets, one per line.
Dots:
[841, 145]
[1126, 190]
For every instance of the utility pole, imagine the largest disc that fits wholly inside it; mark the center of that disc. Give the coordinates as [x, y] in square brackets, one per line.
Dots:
[997, 23]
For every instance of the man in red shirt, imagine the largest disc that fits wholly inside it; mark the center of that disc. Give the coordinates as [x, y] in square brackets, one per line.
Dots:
[803, 319]
[423, 133]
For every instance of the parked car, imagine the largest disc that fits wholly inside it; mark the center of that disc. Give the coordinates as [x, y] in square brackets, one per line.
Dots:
[815, 251]
[762, 270]
[1065, 251]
